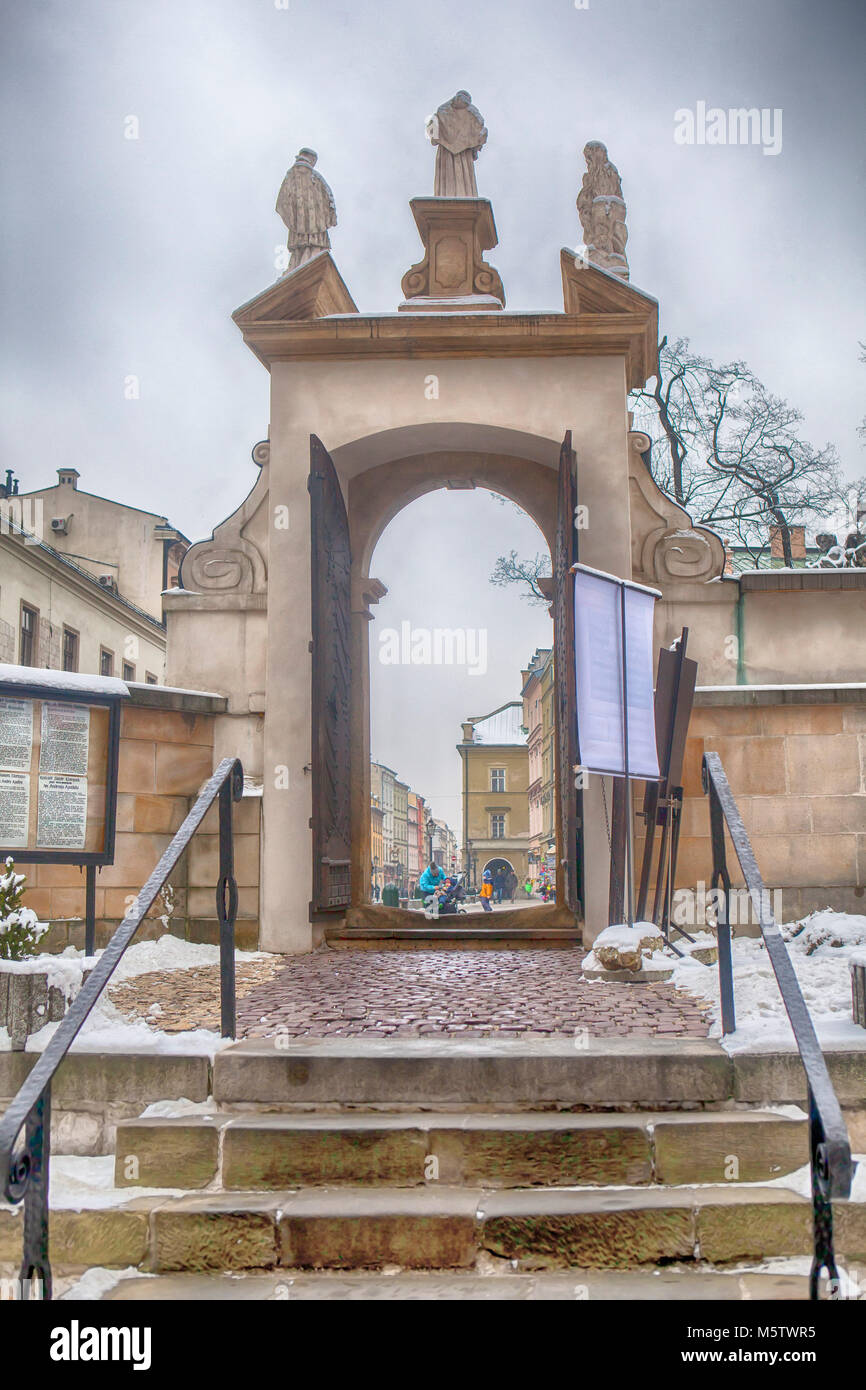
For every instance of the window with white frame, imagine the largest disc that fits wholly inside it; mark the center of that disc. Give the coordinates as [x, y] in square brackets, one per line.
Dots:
[497, 779]
[497, 826]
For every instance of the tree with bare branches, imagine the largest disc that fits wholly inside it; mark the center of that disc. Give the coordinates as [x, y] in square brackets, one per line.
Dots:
[731, 452]
[510, 569]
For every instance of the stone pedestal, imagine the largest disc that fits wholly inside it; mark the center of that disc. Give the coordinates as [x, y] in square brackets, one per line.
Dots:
[453, 276]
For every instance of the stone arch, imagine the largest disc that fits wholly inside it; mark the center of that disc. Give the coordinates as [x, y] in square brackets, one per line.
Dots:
[380, 478]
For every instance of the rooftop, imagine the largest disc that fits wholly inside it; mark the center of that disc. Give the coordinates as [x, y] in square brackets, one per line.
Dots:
[503, 726]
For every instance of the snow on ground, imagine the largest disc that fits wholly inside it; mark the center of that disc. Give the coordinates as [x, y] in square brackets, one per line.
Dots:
[95, 1283]
[107, 1029]
[821, 947]
[178, 1109]
[85, 1184]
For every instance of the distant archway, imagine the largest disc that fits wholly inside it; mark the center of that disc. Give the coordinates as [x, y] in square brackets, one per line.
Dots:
[509, 878]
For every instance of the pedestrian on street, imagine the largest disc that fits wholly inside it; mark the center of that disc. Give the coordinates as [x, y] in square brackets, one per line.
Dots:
[486, 891]
[499, 884]
[431, 882]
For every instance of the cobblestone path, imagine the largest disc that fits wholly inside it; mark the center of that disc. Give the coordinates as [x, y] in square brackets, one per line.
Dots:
[468, 994]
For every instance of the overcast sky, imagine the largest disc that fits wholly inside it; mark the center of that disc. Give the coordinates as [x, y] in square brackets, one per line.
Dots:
[126, 257]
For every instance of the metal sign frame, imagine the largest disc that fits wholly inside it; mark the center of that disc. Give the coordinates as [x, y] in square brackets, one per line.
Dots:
[623, 829]
[19, 690]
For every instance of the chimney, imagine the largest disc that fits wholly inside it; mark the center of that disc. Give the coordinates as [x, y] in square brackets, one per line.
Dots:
[798, 542]
[68, 477]
[468, 733]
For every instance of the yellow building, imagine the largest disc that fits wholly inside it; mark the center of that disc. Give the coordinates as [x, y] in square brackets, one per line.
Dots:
[538, 720]
[377, 845]
[495, 786]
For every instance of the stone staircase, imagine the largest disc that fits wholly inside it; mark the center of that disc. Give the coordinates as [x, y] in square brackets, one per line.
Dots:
[420, 1168]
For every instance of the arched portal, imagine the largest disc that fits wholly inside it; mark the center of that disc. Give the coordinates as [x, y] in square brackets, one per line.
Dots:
[378, 479]
[478, 389]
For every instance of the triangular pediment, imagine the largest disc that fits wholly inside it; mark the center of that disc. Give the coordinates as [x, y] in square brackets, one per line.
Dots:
[313, 291]
[587, 289]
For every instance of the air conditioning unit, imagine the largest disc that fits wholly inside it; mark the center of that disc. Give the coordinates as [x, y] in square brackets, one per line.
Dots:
[60, 525]
[107, 581]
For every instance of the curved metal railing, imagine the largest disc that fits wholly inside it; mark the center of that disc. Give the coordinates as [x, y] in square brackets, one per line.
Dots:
[24, 1169]
[829, 1148]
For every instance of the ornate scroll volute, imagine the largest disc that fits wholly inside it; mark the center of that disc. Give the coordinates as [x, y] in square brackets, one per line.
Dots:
[667, 548]
[231, 563]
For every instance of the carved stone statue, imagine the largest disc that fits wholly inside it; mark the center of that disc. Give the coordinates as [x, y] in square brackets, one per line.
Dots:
[306, 205]
[602, 211]
[458, 132]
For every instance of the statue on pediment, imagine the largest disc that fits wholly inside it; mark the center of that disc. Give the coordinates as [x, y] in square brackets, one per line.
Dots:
[602, 210]
[306, 205]
[458, 131]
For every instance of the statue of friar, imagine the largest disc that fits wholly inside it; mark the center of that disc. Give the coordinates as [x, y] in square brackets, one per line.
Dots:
[602, 211]
[306, 205]
[458, 132]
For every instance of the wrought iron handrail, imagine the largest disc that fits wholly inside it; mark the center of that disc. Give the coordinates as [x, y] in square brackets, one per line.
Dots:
[24, 1174]
[829, 1147]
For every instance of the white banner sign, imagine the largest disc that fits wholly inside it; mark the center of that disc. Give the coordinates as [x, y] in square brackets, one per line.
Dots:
[598, 654]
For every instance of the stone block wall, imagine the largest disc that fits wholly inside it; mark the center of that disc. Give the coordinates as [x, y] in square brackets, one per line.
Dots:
[795, 758]
[166, 754]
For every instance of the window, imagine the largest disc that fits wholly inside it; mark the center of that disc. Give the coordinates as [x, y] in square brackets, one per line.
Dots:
[29, 630]
[497, 779]
[128, 671]
[70, 650]
[150, 678]
[106, 662]
[497, 827]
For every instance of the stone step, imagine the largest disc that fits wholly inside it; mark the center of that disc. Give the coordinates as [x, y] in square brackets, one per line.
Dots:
[668, 1283]
[503, 1073]
[436, 1228]
[435, 936]
[484, 1071]
[352, 1228]
[278, 1151]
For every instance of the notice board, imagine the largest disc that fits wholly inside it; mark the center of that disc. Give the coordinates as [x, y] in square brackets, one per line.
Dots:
[613, 648]
[58, 771]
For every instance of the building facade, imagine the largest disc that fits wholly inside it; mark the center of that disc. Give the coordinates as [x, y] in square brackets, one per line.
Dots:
[377, 848]
[136, 553]
[401, 836]
[537, 694]
[444, 849]
[382, 780]
[495, 758]
[56, 615]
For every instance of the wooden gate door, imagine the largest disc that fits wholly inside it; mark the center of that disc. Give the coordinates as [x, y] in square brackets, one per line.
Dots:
[570, 807]
[332, 684]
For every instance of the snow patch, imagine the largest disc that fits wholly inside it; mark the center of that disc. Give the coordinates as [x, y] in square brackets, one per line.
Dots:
[106, 1029]
[821, 947]
[87, 1184]
[95, 1283]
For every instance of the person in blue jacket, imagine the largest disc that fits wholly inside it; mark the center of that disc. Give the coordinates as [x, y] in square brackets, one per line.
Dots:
[433, 878]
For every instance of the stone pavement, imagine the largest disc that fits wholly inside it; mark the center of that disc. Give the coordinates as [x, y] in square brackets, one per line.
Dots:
[468, 994]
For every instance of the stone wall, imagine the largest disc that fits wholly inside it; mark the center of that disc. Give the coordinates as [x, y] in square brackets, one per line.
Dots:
[795, 758]
[166, 754]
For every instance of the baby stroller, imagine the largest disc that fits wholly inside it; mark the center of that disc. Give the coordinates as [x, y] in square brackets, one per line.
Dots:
[451, 897]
